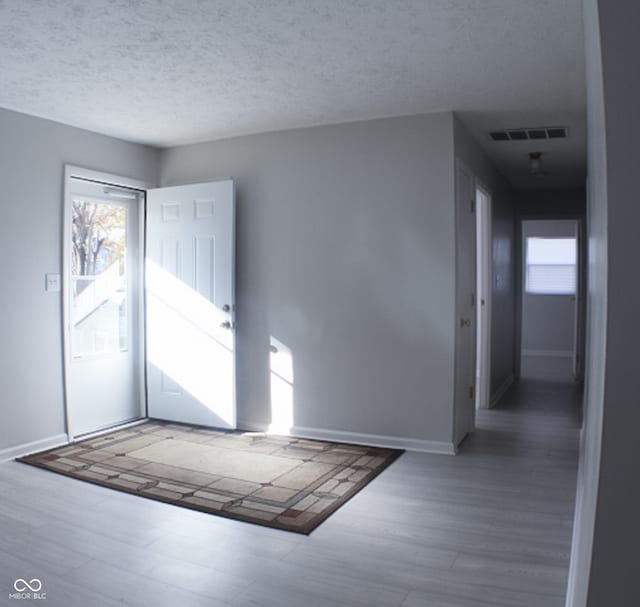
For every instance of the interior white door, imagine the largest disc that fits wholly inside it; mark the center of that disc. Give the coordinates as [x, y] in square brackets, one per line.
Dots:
[483, 298]
[102, 245]
[465, 365]
[190, 304]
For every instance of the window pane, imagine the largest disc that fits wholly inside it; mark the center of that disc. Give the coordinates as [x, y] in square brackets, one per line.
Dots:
[551, 251]
[551, 266]
[99, 279]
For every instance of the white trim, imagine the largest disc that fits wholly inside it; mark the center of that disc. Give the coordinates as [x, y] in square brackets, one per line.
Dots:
[33, 447]
[234, 318]
[71, 171]
[548, 353]
[462, 167]
[499, 393]
[358, 438]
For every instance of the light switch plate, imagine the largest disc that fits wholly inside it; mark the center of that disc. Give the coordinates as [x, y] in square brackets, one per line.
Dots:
[52, 282]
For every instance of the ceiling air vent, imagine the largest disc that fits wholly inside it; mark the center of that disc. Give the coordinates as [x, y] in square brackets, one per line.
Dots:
[518, 135]
[537, 133]
[557, 133]
[499, 136]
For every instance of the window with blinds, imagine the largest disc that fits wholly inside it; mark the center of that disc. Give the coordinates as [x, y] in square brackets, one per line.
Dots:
[550, 266]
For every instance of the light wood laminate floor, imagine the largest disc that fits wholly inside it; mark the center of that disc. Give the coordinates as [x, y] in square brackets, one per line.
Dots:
[491, 526]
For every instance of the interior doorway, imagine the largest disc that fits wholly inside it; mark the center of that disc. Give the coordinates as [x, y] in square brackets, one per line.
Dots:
[550, 299]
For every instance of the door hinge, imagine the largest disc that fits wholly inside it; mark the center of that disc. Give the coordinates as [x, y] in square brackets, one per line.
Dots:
[472, 392]
[473, 205]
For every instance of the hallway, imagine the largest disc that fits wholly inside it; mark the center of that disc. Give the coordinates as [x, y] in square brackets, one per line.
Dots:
[505, 504]
[489, 527]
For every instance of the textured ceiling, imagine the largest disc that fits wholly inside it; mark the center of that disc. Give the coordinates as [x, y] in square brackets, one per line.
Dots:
[166, 72]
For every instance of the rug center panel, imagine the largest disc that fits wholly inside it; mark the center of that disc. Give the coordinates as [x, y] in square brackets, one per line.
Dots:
[254, 467]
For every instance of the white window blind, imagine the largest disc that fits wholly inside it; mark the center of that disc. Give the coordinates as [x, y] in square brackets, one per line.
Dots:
[551, 266]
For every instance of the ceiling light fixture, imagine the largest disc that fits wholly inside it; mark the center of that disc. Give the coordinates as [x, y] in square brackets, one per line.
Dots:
[535, 164]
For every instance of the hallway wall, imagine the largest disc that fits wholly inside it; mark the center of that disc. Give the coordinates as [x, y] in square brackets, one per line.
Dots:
[604, 560]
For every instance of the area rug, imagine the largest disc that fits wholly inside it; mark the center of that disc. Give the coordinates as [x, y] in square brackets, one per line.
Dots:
[283, 482]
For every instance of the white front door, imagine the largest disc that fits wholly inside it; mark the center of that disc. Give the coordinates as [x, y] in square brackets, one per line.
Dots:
[102, 248]
[465, 361]
[190, 304]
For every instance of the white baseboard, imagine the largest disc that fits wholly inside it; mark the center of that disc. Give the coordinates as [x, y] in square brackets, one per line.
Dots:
[339, 436]
[357, 438]
[499, 393]
[548, 353]
[33, 447]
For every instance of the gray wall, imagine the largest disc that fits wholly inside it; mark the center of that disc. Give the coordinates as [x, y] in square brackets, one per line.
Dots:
[503, 256]
[604, 563]
[32, 156]
[345, 253]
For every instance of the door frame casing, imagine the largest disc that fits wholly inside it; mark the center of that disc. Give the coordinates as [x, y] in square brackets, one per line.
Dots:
[460, 165]
[484, 277]
[108, 179]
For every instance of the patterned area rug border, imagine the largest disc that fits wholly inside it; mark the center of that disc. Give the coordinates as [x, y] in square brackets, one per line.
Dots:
[284, 482]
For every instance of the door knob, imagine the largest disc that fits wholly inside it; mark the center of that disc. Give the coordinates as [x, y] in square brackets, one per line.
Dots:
[465, 322]
[225, 325]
